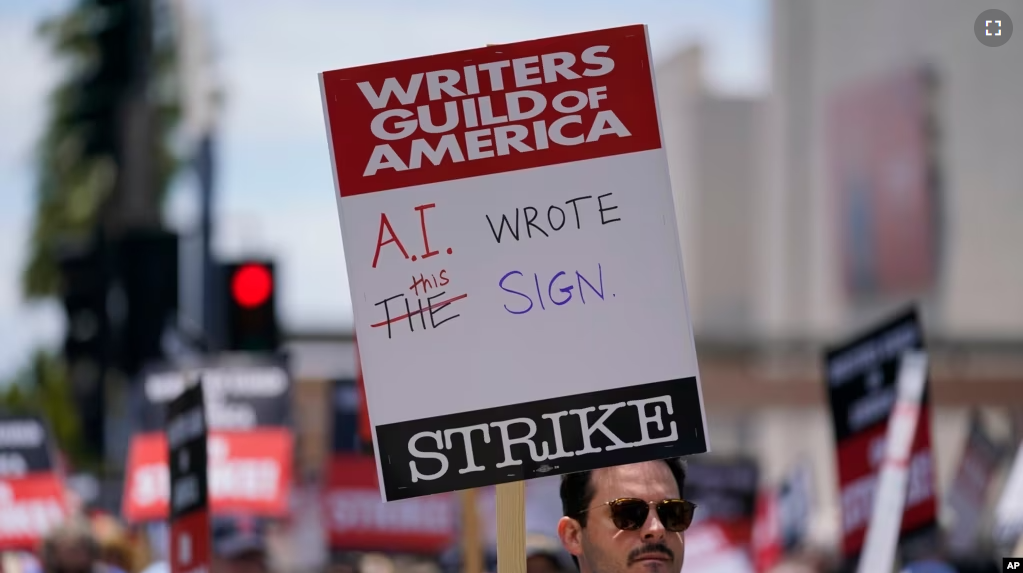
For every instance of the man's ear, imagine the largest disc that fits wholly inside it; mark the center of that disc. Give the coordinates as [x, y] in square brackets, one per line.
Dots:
[570, 532]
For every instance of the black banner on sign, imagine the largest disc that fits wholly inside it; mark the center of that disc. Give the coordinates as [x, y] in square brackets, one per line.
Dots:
[547, 437]
[241, 392]
[724, 489]
[186, 441]
[24, 446]
[862, 374]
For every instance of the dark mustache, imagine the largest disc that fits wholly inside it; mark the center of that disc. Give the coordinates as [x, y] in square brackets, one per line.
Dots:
[651, 548]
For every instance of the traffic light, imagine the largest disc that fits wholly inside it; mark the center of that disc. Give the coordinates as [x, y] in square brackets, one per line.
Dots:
[119, 296]
[250, 311]
[84, 284]
[147, 277]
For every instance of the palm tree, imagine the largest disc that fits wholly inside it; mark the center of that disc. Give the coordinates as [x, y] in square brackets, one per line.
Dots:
[79, 157]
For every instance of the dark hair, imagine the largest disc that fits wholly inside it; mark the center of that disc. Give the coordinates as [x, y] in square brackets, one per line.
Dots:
[577, 489]
[75, 531]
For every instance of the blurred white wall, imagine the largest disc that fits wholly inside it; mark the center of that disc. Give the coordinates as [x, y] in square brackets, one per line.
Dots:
[754, 191]
[821, 46]
[714, 158]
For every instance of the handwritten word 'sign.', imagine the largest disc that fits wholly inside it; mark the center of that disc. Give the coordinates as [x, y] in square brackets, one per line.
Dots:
[499, 125]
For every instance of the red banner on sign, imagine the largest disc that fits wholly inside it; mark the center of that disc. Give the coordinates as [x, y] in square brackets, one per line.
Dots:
[190, 543]
[250, 472]
[29, 506]
[491, 110]
[358, 520]
[860, 459]
[767, 541]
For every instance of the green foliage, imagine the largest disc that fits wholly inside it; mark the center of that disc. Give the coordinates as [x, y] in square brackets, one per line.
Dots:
[41, 388]
[74, 179]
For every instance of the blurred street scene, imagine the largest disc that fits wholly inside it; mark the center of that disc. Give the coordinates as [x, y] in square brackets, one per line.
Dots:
[167, 209]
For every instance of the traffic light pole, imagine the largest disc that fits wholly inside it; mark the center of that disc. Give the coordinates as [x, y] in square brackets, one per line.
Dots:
[210, 310]
[200, 90]
[134, 206]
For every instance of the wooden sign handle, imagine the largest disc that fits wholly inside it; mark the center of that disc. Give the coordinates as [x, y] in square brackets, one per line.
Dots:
[511, 527]
[472, 541]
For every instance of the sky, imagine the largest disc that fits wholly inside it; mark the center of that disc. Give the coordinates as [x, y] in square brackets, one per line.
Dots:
[274, 188]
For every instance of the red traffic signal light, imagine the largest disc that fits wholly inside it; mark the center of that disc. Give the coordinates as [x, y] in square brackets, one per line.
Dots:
[249, 312]
[251, 285]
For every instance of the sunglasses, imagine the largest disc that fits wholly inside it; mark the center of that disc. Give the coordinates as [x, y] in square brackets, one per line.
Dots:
[629, 513]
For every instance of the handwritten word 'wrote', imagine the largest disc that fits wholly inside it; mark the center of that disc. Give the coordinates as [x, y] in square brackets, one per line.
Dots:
[556, 218]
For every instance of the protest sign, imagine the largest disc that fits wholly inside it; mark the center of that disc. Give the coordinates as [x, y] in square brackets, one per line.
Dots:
[1007, 529]
[861, 379]
[712, 548]
[358, 521]
[967, 497]
[249, 472]
[514, 262]
[344, 415]
[882, 539]
[767, 544]
[241, 393]
[29, 507]
[726, 492]
[189, 499]
[247, 406]
[32, 499]
[365, 430]
[24, 446]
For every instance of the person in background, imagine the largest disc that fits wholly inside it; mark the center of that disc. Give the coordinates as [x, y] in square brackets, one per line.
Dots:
[545, 555]
[72, 548]
[626, 518]
[115, 547]
[239, 545]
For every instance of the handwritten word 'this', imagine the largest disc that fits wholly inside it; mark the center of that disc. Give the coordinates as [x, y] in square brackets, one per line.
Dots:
[556, 218]
[385, 226]
[515, 279]
[429, 282]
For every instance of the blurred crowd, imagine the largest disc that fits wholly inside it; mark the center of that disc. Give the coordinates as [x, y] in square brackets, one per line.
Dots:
[102, 544]
[243, 544]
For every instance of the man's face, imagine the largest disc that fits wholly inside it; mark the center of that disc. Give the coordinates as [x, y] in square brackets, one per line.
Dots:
[603, 548]
[252, 562]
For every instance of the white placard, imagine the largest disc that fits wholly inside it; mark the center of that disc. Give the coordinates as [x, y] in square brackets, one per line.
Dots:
[511, 244]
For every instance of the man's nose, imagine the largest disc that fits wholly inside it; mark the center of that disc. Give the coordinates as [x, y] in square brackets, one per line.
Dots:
[653, 529]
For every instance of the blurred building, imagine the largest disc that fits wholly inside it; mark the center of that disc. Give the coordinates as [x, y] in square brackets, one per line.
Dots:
[879, 169]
